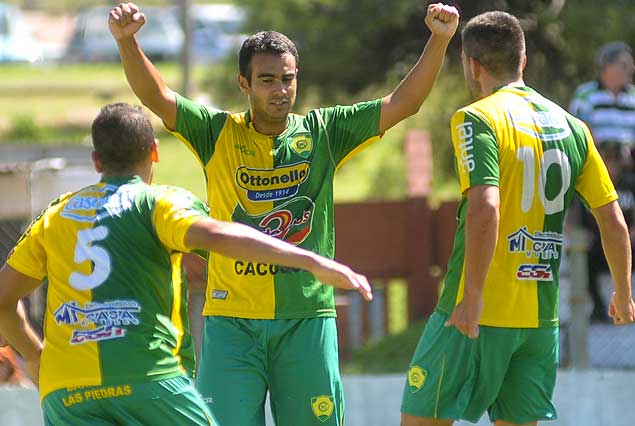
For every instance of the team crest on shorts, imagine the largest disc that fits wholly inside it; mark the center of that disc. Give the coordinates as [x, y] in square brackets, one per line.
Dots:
[416, 378]
[322, 407]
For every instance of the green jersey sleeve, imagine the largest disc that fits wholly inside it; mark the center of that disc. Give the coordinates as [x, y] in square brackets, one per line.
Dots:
[350, 128]
[198, 127]
[475, 150]
[175, 210]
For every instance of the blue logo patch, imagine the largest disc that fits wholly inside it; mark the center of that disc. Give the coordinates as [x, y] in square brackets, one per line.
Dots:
[110, 317]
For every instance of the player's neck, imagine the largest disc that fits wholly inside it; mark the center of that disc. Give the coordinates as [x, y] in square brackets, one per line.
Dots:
[268, 127]
[489, 85]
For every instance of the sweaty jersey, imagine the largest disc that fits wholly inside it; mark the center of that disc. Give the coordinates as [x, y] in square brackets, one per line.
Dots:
[116, 311]
[281, 185]
[539, 156]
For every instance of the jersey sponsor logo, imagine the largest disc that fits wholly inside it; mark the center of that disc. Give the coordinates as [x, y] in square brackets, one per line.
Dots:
[109, 200]
[322, 407]
[465, 131]
[272, 184]
[253, 268]
[544, 125]
[260, 269]
[416, 378]
[302, 145]
[291, 221]
[245, 150]
[109, 316]
[219, 294]
[537, 272]
[97, 393]
[541, 245]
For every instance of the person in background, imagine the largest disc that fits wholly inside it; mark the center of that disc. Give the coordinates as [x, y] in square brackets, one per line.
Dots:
[607, 106]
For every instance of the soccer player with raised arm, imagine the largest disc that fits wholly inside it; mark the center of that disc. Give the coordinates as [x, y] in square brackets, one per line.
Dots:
[268, 328]
[492, 342]
[117, 348]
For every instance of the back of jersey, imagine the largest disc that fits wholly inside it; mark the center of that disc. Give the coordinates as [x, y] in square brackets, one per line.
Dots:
[539, 156]
[115, 306]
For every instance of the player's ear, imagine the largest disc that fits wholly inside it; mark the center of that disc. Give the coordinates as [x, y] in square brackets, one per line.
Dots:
[154, 151]
[243, 83]
[523, 62]
[96, 162]
[476, 68]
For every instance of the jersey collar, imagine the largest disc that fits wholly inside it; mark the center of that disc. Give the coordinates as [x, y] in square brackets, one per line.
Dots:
[250, 126]
[121, 180]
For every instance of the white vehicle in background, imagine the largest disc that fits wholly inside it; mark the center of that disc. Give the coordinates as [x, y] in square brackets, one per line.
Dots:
[216, 31]
[91, 41]
[16, 42]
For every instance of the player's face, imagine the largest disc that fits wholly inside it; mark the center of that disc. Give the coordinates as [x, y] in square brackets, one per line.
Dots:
[620, 72]
[273, 86]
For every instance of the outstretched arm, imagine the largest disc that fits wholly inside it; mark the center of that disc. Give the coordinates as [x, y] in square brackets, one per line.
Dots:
[14, 326]
[414, 89]
[124, 21]
[617, 248]
[242, 242]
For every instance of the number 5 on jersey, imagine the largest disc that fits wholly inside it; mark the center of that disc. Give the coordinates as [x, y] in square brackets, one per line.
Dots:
[85, 250]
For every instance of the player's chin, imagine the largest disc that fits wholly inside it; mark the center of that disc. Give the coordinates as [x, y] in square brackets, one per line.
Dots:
[279, 111]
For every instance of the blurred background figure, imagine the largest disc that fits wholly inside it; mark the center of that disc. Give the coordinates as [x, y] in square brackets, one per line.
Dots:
[607, 105]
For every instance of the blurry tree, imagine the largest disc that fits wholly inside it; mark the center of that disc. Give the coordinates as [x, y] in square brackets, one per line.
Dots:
[347, 45]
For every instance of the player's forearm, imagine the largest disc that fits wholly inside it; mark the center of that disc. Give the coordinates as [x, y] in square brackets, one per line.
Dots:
[17, 331]
[146, 82]
[239, 241]
[415, 88]
[617, 249]
[480, 242]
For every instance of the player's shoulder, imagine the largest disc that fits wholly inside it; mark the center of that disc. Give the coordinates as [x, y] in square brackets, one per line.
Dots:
[481, 109]
[350, 108]
[173, 195]
[58, 203]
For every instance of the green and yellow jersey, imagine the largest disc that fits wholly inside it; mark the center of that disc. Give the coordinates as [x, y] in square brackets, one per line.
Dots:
[539, 156]
[116, 308]
[281, 185]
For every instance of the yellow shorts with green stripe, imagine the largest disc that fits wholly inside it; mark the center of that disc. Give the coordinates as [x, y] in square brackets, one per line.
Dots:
[508, 372]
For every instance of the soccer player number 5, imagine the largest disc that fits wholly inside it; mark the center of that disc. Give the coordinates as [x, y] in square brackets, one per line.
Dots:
[550, 157]
[85, 250]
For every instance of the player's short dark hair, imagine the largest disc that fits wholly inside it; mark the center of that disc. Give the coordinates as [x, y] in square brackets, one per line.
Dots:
[122, 137]
[497, 41]
[271, 42]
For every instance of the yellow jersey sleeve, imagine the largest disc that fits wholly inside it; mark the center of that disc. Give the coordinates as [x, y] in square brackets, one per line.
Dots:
[174, 212]
[594, 184]
[29, 256]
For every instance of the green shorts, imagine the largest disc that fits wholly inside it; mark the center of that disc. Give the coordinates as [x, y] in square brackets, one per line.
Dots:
[166, 402]
[508, 372]
[295, 360]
